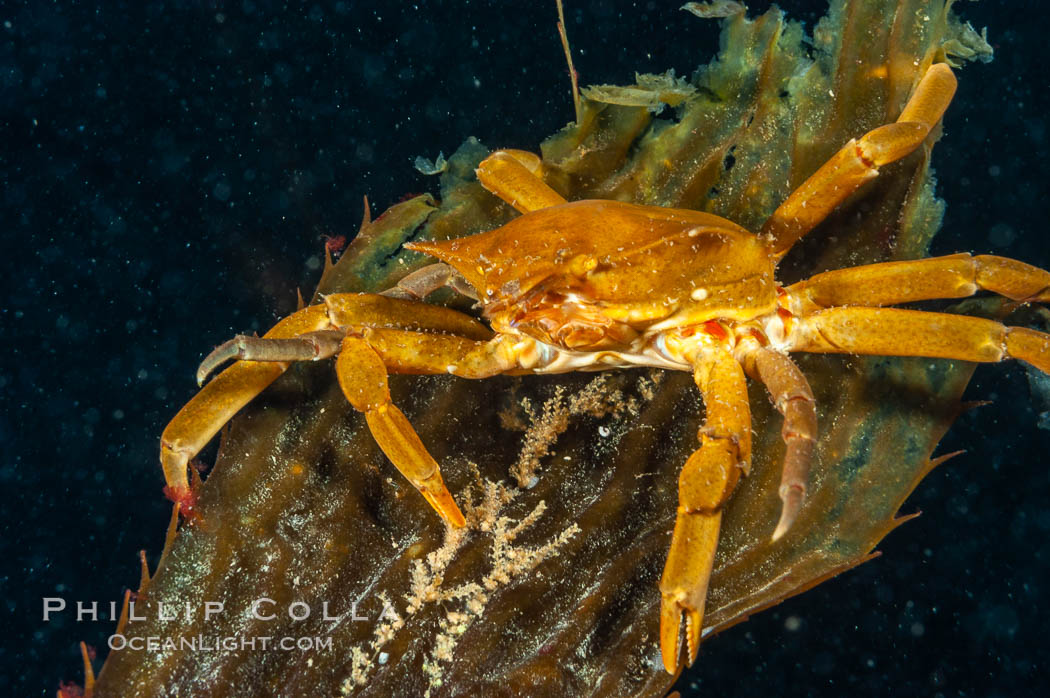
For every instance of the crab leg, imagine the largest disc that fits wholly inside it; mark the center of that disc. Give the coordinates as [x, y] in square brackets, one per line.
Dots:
[362, 369]
[363, 378]
[898, 332]
[216, 403]
[422, 282]
[202, 417]
[516, 177]
[953, 276]
[404, 351]
[360, 310]
[312, 346]
[859, 161]
[793, 398]
[706, 482]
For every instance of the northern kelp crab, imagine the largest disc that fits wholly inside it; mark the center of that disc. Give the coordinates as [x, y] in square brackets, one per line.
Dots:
[594, 284]
[276, 457]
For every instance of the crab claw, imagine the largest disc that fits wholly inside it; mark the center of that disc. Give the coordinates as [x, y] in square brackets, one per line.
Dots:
[672, 608]
[683, 588]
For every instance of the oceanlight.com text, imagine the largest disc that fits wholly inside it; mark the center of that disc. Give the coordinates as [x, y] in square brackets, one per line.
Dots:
[211, 643]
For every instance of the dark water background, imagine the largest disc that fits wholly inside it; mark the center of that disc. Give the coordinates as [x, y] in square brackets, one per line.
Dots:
[170, 172]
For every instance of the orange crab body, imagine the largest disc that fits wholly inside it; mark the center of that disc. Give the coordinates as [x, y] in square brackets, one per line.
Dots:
[611, 277]
[591, 285]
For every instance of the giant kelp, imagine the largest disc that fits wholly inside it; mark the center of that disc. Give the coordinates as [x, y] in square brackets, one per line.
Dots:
[569, 482]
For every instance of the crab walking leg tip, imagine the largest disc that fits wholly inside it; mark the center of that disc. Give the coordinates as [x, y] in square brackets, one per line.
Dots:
[173, 461]
[203, 371]
[230, 349]
[445, 505]
[792, 497]
[402, 446]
